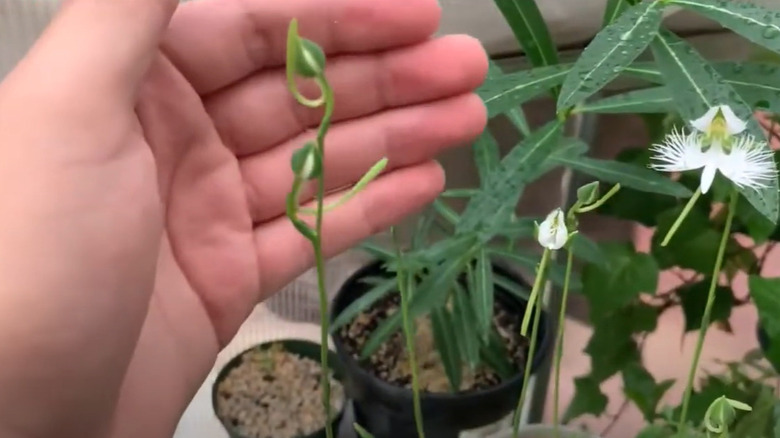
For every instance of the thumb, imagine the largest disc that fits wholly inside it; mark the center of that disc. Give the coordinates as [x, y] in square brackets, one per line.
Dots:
[99, 46]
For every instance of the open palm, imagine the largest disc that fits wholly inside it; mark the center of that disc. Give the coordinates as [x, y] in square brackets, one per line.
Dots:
[164, 197]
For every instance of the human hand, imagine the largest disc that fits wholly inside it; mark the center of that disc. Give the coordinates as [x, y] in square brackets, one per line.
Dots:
[145, 162]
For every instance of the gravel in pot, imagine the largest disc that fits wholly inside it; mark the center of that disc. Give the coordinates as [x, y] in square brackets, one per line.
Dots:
[273, 391]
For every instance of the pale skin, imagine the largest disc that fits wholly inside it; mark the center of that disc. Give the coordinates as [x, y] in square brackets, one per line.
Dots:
[144, 154]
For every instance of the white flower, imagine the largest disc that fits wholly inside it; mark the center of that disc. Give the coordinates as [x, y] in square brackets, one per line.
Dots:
[552, 232]
[718, 143]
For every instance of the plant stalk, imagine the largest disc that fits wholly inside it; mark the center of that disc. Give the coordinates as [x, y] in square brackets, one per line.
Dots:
[559, 341]
[538, 285]
[705, 320]
[536, 292]
[681, 217]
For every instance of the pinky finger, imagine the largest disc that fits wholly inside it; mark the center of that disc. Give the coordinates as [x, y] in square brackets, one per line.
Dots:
[283, 253]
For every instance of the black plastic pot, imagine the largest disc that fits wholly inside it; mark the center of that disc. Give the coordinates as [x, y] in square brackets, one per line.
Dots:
[386, 410]
[302, 348]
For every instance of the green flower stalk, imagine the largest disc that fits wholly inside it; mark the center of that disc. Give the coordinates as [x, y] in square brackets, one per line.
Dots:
[306, 59]
[705, 320]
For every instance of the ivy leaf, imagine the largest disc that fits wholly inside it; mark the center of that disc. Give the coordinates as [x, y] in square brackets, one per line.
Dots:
[688, 75]
[693, 299]
[588, 399]
[627, 175]
[757, 24]
[620, 279]
[530, 29]
[641, 388]
[765, 293]
[503, 93]
[612, 346]
[587, 250]
[614, 48]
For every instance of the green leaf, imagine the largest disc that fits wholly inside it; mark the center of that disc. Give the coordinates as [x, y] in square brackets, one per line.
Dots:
[696, 87]
[445, 211]
[587, 250]
[422, 229]
[612, 346]
[505, 185]
[464, 321]
[446, 346]
[567, 149]
[765, 293]
[588, 399]
[641, 388]
[362, 432]
[495, 355]
[516, 115]
[694, 246]
[529, 260]
[363, 303]
[656, 431]
[627, 175]
[486, 155]
[755, 23]
[614, 48]
[648, 100]
[376, 250]
[613, 10]
[694, 298]
[529, 27]
[758, 421]
[482, 294]
[431, 293]
[757, 83]
[511, 286]
[503, 93]
[620, 279]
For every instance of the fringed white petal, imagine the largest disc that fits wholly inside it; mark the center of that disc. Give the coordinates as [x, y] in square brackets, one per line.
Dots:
[703, 123]
[734, 124]
[678, 153]
[750, 164]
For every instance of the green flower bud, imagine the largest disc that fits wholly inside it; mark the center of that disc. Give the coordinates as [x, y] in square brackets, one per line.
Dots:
[306, 162]
[589, 193]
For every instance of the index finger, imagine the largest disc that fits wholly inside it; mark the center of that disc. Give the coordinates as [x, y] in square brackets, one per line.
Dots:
[218, 42]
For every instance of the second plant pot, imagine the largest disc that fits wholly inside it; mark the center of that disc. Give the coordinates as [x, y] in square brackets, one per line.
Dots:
[386, 409]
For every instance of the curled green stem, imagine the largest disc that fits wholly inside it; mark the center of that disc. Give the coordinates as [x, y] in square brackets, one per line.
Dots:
[559, 341]
[705, 320]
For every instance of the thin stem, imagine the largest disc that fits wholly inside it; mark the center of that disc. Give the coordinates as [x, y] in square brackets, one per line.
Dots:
[531, 352]
[320, 260]
[681, 217]
[600, 202]
[538, 284]
[405, 284]
[705, 320]
[559, 341]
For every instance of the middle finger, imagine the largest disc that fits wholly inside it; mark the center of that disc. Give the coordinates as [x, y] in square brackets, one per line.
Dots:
[258, 113]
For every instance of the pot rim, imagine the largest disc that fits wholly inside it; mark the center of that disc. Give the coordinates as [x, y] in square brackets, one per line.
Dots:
[337, 370]
[350, 363]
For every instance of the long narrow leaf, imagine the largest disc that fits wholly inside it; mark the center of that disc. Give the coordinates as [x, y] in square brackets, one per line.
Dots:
[446, 346]
[758, 24]
[613, 10]
[612, 50]
[531, 31]
[482, 293]
[644, 101]
[464, 321]
[364, 302]
[486, 154]
[628, 175]
[505, 185]
[696, 87]
[509, 91]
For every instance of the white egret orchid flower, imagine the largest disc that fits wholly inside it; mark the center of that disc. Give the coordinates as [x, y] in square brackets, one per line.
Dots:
[552, 232]
[717, 143]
